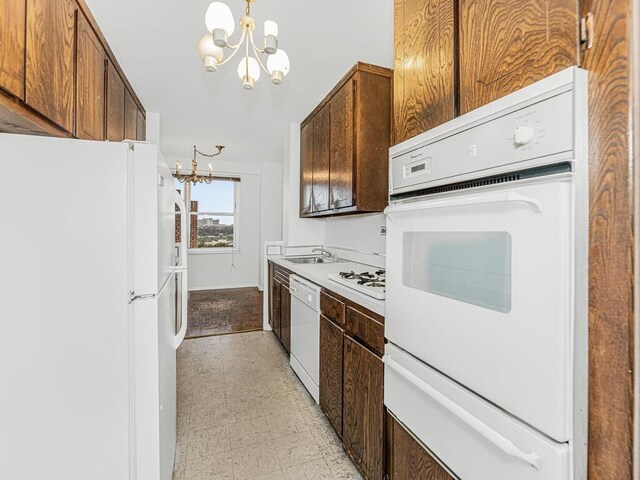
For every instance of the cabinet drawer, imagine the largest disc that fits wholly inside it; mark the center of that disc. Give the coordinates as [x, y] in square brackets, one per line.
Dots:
[332, 308]
[366, 329]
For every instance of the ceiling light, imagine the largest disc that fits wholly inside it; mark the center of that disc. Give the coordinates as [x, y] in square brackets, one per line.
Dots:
[220, 24]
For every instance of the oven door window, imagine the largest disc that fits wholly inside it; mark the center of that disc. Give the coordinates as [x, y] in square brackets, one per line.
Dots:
[470, 267]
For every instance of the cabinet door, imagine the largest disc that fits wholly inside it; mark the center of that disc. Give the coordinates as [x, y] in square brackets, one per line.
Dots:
[321, 149]
[141, 126]
[331, 364]
[423, 66]
[341, 135]
[306, 168]
[363, 412]
[50, 59]
[272, 281]
[130, 117]
[276, 308]
[508, 44]
[115, 105]
[12, 45]
[407, 458]
[90, 90]
[285, 317]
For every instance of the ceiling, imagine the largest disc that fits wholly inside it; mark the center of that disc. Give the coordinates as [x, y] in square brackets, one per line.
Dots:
[155, 42]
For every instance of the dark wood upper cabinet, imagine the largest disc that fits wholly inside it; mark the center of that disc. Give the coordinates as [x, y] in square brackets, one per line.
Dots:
[508, 44]
[407, 458]
[341, 164]
[50, 59]
[306, 169]
[12, 45]
[321, 149]
[130, 117]
[115, 105]
[363, 411]
[344, 161]
[424, 66]
[141, 126]
[331, 370]
[90, 91]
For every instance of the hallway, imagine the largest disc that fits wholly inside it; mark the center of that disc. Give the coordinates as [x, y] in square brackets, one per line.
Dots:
[244, 415]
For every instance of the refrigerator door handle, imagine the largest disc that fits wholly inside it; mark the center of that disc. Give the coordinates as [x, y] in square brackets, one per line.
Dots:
[500, 442]
[182, 296]
[183, 229]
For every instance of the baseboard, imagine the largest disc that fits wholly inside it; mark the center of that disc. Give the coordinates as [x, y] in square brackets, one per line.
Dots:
[222, 287]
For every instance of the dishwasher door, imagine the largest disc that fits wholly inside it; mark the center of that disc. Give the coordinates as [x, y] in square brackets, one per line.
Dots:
[305, 333]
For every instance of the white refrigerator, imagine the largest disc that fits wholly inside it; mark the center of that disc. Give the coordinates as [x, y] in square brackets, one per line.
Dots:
[93, 306]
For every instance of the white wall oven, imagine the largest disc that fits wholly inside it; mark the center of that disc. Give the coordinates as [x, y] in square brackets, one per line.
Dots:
[486, 285]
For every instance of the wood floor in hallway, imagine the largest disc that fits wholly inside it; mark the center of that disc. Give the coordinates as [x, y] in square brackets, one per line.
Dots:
[244, 415]
[219, 312]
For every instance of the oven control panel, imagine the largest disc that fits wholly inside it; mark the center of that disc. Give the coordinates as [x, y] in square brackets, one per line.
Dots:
[521, 139]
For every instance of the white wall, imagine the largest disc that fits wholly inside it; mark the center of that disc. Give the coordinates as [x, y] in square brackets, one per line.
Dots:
[259, 219]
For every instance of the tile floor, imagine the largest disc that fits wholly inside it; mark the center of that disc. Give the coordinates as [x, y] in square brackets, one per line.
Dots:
[244, 415]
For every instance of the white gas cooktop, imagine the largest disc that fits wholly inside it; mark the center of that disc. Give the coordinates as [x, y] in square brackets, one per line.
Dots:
[370, 283]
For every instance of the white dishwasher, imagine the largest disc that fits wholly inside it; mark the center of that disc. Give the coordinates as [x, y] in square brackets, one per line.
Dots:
[305, 333]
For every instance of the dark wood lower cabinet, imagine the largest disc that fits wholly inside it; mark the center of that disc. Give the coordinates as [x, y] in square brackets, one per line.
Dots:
[276, 307]
[331, 365]
[285, 317]
[363, 411]
[407, 459]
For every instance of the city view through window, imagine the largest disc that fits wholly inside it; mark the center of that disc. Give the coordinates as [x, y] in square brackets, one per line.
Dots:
[212, 211]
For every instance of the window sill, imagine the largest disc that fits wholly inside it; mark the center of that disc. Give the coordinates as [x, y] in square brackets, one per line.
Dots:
[212, 251]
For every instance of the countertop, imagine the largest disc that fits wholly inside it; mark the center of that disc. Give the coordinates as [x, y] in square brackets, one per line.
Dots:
[318, 273]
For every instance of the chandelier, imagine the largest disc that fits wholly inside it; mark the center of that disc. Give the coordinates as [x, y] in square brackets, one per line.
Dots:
[220, 26]
[194, 177]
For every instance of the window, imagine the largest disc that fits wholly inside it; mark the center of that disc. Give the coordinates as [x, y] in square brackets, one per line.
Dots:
[212, 210]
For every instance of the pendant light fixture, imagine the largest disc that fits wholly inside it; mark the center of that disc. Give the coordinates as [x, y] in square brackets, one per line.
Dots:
[221, 25]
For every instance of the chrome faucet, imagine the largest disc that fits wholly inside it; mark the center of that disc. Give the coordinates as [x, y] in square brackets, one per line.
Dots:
[324, 253]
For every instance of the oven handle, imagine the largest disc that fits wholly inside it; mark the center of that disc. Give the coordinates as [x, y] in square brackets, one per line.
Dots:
[503, 197]
[482, 428]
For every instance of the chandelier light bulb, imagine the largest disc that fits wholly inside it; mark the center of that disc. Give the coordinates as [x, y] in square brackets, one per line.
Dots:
[278, 66]
[210, 54]
[249, 72]
[220, 23]
[270, 28]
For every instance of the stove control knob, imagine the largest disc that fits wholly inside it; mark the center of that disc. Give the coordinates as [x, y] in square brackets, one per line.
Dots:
[523, 135]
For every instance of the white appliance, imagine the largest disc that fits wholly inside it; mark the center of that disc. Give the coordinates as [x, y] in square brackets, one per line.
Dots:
[305, 333]
[93, 302]
[370, 283]
[486, 305]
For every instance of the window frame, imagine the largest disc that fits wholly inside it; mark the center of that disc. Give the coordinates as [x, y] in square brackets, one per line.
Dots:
[234, 214]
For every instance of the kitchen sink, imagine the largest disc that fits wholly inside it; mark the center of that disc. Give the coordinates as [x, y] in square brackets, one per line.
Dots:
[310, 260]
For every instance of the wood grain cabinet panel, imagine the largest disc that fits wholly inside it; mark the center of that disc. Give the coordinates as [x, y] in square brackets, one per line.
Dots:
[344, 163]
[276, 307]
[285, 317]
[115, 105]
[407, 458]
[12, 45]
[130, 117]
[506, 45]
[424, 61]
[141, 126]
[342, 151]
[332, 308]
[50, 59]
[321, 149]
[306, 169]
[331, 365]
[363, 410]
[90, 91]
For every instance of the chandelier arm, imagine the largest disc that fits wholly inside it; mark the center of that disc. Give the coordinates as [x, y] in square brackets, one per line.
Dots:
[260, 61]
[253, 44]
[242, 37]
[233, 54]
